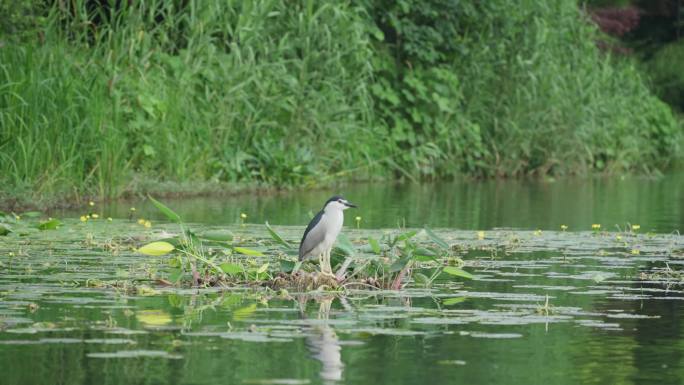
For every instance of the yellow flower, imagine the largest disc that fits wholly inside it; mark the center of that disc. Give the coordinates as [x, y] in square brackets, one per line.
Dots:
[148, 224]
[480, 235]
[358, 219]
[618, 237]
[17, 217]
[243, 216]
[91, 203]
[596, 226]
[84, 218]
[635, 251]
[109, 219]
[141, 221]
[564, 227]
[132, 209]
[94, 216]
[537, 232]
[635, 227]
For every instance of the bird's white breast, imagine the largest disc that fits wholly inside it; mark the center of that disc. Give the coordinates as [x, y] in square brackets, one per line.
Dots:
[332, 222]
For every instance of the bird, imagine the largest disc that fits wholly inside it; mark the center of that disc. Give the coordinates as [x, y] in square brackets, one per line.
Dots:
[322, 231]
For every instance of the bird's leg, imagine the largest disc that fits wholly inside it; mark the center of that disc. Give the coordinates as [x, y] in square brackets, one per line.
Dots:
[326, 261]
[328, 268]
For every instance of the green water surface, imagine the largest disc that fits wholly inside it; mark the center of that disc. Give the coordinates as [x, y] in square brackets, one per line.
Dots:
[654, 203]
[549, 307]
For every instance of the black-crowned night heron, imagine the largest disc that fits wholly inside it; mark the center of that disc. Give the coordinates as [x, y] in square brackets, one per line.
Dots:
[322, 231]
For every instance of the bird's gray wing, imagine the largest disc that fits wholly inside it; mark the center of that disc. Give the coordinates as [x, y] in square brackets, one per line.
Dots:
[313, 235]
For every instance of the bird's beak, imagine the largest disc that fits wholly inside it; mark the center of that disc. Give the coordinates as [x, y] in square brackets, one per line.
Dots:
[349, 204]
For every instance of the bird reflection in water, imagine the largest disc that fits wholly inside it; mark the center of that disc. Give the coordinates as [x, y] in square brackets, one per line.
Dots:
[321, 339]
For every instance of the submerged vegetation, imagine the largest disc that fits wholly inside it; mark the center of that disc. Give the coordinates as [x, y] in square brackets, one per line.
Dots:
[102, 99]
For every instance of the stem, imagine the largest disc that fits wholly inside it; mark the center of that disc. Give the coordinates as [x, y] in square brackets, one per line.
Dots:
[202, 259]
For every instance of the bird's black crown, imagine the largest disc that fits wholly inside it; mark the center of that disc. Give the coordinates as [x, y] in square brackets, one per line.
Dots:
[334, 198]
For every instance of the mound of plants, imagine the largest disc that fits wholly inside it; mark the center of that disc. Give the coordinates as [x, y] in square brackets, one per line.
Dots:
[212, 259]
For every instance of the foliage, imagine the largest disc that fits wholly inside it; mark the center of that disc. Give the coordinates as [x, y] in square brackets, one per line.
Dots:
[277, 93]
[21, 20]
[214, 258]
[667, 78]
[213, 90]
[418, 94]
[529, 92]
[206, 258]
[649, 30]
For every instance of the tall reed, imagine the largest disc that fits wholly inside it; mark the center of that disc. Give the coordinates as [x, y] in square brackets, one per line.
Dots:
[94, 98]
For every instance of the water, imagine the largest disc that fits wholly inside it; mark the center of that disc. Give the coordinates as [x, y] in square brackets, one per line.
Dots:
[544, 307]
[656, 204]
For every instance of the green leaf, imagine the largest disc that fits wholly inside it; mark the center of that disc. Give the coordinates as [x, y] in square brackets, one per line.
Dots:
[277, 237]
[344, 244]
[246, 251]
[149, 150]
[374, 244]
[156, 248]
[31, 214]
[263, 268]
[175, 275]
[231, 268]
[407, 235]
[5, 229]
[424, 255]
[170, 214]
[217, 235]
[455, 271]
[286, 266]
[175, 241]
[399, 264]
[453, 301]
[52, 224]
[421, 278]
[435, 238]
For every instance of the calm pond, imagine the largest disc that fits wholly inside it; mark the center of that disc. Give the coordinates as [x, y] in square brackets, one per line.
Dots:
[655, 204]
[602, 306]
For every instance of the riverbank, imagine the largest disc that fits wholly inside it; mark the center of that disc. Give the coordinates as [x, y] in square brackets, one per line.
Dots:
[18, 201]
[232, 100]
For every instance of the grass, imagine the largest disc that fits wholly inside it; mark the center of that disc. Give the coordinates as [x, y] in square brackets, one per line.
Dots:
[158, 96]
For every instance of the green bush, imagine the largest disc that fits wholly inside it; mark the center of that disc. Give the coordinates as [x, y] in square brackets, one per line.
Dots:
[527, 92]
[667, 74]
[262, 91]
[290, 93]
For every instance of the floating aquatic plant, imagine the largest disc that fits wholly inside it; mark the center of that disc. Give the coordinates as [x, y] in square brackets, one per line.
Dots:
[214, 258]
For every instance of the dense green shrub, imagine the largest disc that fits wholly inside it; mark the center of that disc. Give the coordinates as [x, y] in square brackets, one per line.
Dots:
[260, 91]
[290, 93]
[527, 91]
[666, 70]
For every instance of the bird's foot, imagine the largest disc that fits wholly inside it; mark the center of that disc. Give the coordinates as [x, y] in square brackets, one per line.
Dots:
[328, 274]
